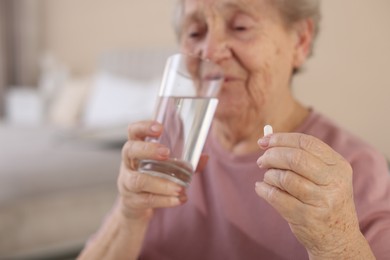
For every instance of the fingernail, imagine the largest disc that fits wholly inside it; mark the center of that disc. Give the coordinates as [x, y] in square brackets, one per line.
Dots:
[261, 189]
[163, 151]
[183, 199]
[260, 162]
[264, 141]
[156, 128]
[176, 201]
[178, 190]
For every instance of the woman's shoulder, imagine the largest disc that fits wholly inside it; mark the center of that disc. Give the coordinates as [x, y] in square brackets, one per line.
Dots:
[345, 142]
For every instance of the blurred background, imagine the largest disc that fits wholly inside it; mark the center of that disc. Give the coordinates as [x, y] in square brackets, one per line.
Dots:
[74, 73]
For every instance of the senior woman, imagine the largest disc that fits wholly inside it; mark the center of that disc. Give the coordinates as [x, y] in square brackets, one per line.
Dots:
[311, 190]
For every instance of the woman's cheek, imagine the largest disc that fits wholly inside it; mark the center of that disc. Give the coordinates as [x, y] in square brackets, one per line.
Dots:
[232, 101]
[257, 91]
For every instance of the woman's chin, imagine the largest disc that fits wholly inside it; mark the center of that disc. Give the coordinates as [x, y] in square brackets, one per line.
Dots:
[227, 112]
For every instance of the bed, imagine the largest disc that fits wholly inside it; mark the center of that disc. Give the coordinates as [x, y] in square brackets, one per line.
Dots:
[58, 180]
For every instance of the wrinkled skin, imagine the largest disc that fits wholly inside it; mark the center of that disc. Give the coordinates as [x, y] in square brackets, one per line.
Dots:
[307, 182]
[140, 193]
[310, 185]
[258, 53]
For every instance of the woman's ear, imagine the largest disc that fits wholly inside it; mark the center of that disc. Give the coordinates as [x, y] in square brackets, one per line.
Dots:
[304, 38]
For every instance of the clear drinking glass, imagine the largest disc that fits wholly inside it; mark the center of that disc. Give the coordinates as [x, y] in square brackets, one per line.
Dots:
[186, 105]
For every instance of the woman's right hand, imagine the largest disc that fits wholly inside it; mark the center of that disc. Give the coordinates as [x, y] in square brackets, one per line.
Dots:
[141, 193]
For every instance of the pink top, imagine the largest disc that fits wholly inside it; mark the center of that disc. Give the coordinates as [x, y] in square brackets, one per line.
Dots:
[225, 219]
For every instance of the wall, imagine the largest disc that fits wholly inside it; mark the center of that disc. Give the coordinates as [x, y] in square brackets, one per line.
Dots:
[24, 41]
[77, 31]
[2, 56]
[347, 79]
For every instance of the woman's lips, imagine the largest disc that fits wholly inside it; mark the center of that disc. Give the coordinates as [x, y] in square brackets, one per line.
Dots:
[226, 78]
[230, 79]
[213, 77]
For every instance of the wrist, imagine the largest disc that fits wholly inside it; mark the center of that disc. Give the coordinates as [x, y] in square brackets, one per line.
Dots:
[131, 215]
[351, 247]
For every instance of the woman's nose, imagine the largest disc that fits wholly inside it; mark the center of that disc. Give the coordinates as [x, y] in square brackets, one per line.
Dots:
[215, 48]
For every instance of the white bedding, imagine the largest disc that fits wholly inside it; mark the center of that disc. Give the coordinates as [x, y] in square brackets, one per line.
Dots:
[56, 184]
[54, 188]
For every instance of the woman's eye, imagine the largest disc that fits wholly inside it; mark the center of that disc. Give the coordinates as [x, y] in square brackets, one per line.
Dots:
[194, 32]
[194, 35]
[240, 28]
[242, 23]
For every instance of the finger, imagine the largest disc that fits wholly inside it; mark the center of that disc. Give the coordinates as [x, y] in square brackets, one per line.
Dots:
[297, 186]
[298, 161]
[136, 182]
[143, 129]
[150, 200]
[304, 142]
[289, 207]
[143, 150]
[202, 163]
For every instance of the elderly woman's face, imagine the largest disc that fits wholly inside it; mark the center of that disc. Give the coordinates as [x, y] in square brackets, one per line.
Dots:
[250, 41]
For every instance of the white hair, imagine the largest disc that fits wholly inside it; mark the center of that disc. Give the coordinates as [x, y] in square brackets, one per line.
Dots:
[292, 11]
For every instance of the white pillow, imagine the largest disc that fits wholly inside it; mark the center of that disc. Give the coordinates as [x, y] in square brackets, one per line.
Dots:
[67, 105]
[117, 101]
[24, 106]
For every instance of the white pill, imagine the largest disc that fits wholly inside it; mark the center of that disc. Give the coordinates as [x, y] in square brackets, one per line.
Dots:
[268, 130]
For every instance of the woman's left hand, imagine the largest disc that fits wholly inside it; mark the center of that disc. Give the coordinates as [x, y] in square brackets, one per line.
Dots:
[310, 185]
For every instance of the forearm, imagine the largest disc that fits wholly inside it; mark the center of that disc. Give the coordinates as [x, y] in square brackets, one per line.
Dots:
[356, 248]
[119, 238]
